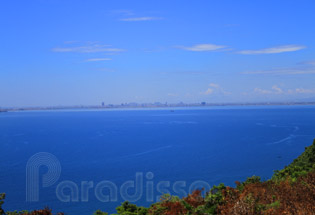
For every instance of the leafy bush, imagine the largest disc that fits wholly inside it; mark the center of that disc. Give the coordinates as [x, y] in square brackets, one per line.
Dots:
[131, 209]
[99, 212]
[250, 180]
[299, 167]
[2, 197]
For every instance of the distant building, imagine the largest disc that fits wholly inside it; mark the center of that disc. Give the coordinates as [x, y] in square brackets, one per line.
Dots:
[157, 103]
[103, 104]
[203, 103]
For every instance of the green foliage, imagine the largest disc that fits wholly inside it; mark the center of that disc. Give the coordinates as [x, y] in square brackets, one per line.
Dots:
[2, 197]
[99, 212]
[213, 199]
[264, 207]
[169, 198]
[299, 167]
[131, 209]
[252, 180]
[249, 180]
[276, 204]
[17, 212]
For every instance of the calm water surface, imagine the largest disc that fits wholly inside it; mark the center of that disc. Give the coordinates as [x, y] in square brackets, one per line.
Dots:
[213, 145]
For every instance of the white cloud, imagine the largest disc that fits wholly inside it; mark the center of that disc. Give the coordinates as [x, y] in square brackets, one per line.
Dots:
[262, 91]
[302, 90]
[275, 90]
[208, 91]
[88, 48]
[215, 88]
[202, 47]
[274, 50]
[214, 85]
[97, 59]
[137, 19]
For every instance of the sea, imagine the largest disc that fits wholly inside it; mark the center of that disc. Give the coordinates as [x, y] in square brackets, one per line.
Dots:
[78, 161]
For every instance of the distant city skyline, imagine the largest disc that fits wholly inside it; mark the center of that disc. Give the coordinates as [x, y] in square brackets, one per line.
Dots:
[63, 53]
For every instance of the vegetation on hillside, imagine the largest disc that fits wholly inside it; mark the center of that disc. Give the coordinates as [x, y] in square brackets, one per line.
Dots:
[299, 167]
[289, 191]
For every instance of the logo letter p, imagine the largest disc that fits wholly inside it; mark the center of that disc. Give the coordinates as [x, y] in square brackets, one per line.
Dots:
[41, 159]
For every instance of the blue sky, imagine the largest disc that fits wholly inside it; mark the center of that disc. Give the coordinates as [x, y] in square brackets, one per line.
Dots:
[74, 52]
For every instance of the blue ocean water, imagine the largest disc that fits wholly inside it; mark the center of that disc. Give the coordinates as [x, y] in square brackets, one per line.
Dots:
[213, 145]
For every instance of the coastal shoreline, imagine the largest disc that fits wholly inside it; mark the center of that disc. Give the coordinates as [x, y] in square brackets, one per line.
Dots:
[152, 106]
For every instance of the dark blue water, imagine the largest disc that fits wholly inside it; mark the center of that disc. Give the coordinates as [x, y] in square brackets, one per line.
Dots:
[212, 145]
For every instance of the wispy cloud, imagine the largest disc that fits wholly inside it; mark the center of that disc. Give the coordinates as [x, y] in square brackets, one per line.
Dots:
[88, 48]
[208, 91]
[262, 91]
[214, 85]
[275, 90]
[274, 50]
[202, 47]
[283, 71]
[97, 59]
[215, 88]
[302, 90]
[137, 19]
[131, 16]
